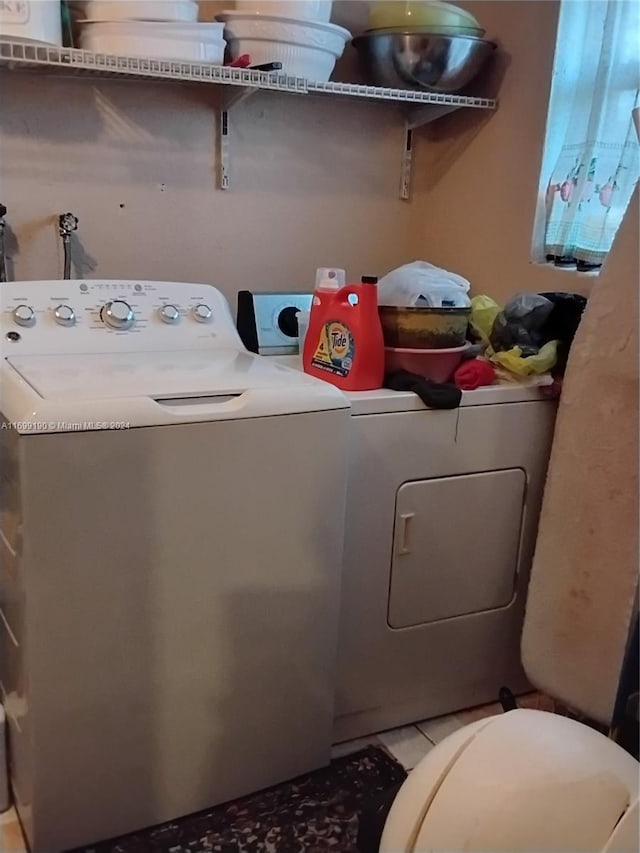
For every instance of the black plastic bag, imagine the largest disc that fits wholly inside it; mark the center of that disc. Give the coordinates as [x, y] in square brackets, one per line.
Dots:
[520, 324]
[562, 323]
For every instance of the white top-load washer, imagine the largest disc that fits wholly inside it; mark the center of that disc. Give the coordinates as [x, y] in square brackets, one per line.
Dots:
[171, 523]
[440, 528]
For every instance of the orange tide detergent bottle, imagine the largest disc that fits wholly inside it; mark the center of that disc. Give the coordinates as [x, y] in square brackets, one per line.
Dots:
[344, 343]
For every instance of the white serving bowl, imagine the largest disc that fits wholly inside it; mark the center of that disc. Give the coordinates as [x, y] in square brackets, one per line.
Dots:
[312, 63]
[192, 42]
[301, 10]
[183, 11]
[276, 29]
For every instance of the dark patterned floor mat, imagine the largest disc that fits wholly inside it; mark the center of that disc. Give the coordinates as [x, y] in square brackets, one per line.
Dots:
[313, 813]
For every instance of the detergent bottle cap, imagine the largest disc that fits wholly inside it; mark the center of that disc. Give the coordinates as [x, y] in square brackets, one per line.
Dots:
[369, 279]
[330, 278]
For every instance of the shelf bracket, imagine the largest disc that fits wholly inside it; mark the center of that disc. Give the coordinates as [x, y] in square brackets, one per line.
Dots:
[228, 100]
[406, 163]
[223, 150]
[417, 117]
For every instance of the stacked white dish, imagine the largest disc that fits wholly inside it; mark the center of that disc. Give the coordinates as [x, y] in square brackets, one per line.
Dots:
[31, 20]
[166, 11]
[296, 33]
[162, 29]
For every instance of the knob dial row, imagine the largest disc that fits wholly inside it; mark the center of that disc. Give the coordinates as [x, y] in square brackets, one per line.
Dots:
[25, 316]
[116, 314]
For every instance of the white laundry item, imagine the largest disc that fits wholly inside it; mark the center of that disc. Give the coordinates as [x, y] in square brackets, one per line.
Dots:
[421, 283]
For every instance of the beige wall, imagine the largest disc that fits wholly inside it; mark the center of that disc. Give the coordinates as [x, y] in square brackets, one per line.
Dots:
[479, 174]
[314, 182]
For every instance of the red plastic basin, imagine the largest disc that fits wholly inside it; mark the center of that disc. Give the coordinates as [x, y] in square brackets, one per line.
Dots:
[436, 364]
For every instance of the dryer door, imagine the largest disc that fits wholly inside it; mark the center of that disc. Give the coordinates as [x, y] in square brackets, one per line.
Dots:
[455, 546]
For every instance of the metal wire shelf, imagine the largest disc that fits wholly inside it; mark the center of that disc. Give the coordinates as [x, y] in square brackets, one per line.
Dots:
[17, 55]
[234, 84]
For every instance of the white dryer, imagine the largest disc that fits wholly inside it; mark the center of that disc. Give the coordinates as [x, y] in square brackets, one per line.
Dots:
[441, 522]
[171, 525]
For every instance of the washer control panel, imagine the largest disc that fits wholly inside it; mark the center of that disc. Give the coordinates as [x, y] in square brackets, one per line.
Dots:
[110, 316]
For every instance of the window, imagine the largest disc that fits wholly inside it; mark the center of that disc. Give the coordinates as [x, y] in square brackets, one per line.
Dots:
[591, 158]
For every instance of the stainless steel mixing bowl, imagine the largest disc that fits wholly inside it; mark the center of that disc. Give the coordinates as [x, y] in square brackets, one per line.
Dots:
[410, 60]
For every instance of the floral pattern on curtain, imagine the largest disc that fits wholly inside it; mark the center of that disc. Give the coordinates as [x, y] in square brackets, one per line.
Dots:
[592, 157]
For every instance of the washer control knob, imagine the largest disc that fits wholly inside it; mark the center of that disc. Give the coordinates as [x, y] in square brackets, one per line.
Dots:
[65, 315]
[169, 313]
[202, 313]
[117, 314]
[24, 315]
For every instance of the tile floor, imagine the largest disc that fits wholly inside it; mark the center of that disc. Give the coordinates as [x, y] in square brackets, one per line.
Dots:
[408, 744]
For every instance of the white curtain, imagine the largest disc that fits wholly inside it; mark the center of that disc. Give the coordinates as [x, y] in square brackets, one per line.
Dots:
[592, 159]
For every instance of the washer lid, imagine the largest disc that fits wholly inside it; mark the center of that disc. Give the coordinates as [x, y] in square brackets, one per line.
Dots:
[55, 393]
[187, 373]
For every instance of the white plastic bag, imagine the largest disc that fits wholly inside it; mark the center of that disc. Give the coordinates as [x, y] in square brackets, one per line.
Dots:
[421, 283]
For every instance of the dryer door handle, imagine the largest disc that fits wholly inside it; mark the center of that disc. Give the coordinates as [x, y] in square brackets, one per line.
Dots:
[404, 528]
